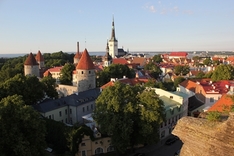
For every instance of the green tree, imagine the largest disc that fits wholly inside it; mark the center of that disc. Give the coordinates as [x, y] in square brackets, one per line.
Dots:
[114, 71]
[75, 137]
[178, 80]
[133, 114]
[208, 74]
[57, 135]
[29, 87]
[181, 70]
[216, 62]
[207, 62]
[214, 116]
[153, 69]
[223, 72]
[22, 129]
[49, 85]
[157, 58]
[66, 74]
[200, 75]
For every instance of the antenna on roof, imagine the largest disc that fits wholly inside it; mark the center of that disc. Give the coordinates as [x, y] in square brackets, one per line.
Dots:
[85, 42]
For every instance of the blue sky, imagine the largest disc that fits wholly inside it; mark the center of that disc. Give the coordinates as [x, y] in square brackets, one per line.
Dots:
[140, 25]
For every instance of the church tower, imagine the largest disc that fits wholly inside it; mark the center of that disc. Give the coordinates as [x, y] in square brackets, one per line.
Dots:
[85, 73]
[31, 67]
[107, 57]
[113, 43]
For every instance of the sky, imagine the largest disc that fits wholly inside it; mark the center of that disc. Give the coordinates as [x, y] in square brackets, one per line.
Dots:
[140, 25]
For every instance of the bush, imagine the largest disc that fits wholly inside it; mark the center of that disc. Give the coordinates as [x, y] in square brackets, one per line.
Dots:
[214, 116]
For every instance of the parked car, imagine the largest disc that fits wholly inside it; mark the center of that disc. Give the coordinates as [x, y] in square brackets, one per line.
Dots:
[171, 140]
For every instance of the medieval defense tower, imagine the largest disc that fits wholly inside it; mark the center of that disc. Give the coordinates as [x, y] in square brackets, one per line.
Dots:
[85, 73]
[31, 67]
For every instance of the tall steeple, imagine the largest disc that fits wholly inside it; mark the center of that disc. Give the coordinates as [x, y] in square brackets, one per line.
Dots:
[113, 31]
[113, 42]
[107, 57]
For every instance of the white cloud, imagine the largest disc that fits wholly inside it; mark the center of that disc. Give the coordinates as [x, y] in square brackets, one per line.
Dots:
[150, 8]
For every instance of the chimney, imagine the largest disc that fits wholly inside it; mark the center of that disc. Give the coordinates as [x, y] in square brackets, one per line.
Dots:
[78, 48]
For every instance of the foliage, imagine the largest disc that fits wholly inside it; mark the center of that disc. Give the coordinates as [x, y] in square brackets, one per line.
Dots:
[213, 116]
[178, 80]
[181, 70]
[216, 62]
[56, 135]
[196, 58]
[22, 129]
[28, 87]
[134, 115]
[154, 69]
[157, 58]
[49, 86]
[57, 59]
[151, 83]
[66, 74]
[208, 75]
[76, 135]
[10, 67]
[200, 75]
[223, 72]
[207, 62]
[114, 71]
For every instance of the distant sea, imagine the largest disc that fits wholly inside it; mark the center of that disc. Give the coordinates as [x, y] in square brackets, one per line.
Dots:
[151, 53]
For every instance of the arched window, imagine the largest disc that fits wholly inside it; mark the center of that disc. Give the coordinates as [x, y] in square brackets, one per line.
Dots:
[110, 149]
[98, 150]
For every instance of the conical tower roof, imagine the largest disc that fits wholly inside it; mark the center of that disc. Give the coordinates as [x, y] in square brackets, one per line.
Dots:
[39, 56]
[85, 62]
[30, 60]
[78, 55]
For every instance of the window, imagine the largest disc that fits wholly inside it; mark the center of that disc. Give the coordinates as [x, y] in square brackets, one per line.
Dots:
[82, 72]
[92, 106]
[49, 116]
[82, 144]
[110, 149]
[83, 153]
[171, 97]
[87, 108]
[66, 111]
[70, 111]
[89, 72]
[98, 150]
[60, 113]
[162, 134]
[83, 109]
[211, 99]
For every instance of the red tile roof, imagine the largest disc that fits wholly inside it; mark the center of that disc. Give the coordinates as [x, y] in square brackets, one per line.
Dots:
[55, 69]
[119, 61]
[178, 54]
[39, 56]
[30, 60]
[85, 62]
[131, 82]
[47, 73]
[139, 60]
[190, 85]
[223, 104]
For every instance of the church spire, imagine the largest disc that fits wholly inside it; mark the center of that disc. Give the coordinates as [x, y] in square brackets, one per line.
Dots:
[113, 31]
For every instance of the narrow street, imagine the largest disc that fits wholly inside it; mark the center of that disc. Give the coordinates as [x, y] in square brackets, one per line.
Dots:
[161, 149]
